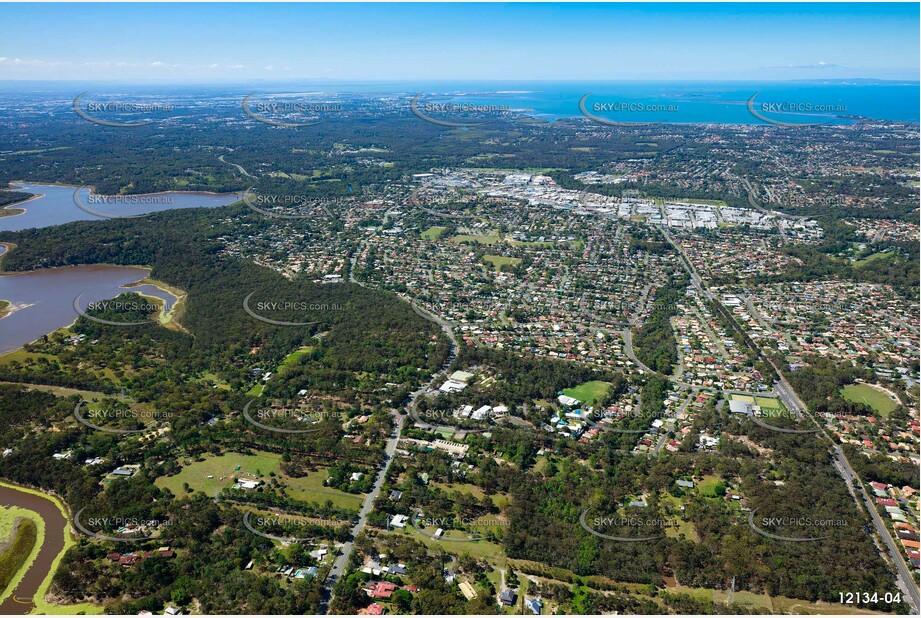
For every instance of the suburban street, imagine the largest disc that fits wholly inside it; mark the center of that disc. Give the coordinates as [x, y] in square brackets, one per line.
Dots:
[787, 394]
[345, 551]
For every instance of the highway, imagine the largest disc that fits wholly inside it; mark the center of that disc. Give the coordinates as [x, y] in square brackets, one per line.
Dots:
[906, 580]
[239, 167]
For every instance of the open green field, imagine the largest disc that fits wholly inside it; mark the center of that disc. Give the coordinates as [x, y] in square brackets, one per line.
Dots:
[740, 597]
[22, 356]
[589, 393]
[40, 150]
[222, 469]
[709, 486]
[771, 604]
[310, 489]
[498, 261]
[486, 550]
[683, 527]
[500, 500]
[464, 488]
[212, 377]
[882, 255]
[688, 200]
[477, 238]
[770, 403]
[63, 391]
[292, 358]
[785, 605]
[433, 233]
[743, 398]
[680, 526]
[868, 395]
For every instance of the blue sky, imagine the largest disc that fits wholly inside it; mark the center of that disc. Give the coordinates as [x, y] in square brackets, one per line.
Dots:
[235, 42]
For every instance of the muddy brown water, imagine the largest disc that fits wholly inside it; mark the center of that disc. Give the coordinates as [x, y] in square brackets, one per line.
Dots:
[43, 299]
[20, 601]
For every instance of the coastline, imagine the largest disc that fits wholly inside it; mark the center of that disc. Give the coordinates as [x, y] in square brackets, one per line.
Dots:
[17, 205]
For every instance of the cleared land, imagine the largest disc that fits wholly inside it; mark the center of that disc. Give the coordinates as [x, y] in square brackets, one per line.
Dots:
[770, 604]
[221, 470]
[869, 395]
[433, 233]
[224, 468]
[477, 238]
[711, 487]
[486, 550]
[589, 393]
[498, 261]
[295, 356]
[310, 488]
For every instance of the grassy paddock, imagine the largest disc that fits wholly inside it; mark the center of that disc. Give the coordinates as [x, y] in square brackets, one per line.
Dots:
[498, 261]
[196, 473]
[589, 393]
[433, 233]
[871, 396]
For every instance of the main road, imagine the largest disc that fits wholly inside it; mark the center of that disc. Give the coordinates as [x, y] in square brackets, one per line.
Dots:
[904, 577]
[345, 551]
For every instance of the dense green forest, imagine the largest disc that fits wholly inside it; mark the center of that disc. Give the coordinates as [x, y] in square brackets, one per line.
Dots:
[654, 342]
[546, 508]
[363, 339]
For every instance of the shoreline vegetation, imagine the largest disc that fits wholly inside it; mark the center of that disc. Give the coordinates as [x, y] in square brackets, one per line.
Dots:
[166, 318]
[42, 606]
[92, 190]
[16, 551]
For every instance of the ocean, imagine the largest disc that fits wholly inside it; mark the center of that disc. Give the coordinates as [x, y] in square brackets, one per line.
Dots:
[702, 102]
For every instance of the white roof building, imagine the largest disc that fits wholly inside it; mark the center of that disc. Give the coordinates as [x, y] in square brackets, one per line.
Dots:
[566, 400]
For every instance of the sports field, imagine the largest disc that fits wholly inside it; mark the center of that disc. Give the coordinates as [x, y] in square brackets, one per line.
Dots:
[869, 395]
[589, 392]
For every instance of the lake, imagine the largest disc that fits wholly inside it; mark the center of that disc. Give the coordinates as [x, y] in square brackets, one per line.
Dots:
[43, 300]
[58, 205]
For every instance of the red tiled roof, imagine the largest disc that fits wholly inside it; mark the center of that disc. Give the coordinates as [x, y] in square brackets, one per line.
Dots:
[382, 590]
[372, 610]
